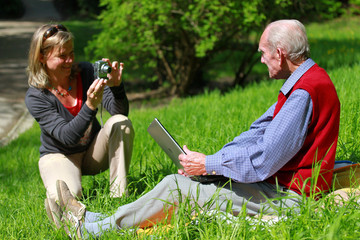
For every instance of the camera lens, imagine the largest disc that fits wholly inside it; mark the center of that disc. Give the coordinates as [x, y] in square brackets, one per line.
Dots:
[105, 69]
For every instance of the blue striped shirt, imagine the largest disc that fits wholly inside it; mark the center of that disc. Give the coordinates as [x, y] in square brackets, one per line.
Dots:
[270, 143]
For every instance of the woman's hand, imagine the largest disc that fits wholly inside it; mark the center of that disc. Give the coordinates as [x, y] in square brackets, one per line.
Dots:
[95, 93]
[116, 73]
[193, 163]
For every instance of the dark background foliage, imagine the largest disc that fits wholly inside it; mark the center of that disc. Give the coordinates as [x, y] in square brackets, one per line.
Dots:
[11, 9]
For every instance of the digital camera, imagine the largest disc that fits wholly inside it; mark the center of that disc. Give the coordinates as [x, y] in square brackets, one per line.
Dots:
[101, 69]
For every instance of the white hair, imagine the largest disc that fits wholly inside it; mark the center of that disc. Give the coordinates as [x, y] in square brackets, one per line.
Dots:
[289, 35]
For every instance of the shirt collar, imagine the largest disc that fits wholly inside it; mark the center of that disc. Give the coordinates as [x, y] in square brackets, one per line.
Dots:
[296, 75]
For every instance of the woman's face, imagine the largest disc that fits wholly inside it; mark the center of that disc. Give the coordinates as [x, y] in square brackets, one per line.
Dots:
[59, 61]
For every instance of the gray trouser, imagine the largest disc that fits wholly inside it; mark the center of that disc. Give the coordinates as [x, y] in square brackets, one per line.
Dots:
[175, 188]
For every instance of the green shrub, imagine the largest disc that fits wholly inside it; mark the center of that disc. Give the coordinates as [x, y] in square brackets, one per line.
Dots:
[173, 41]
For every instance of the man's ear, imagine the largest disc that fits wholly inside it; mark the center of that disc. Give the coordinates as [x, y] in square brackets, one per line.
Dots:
[281, 56]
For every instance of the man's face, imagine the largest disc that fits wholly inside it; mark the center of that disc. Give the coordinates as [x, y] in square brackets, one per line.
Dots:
[270, 57]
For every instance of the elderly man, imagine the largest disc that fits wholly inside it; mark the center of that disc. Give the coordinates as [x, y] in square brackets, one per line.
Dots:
[289, 150]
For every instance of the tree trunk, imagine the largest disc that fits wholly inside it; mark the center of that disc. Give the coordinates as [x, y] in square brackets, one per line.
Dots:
[246, 65]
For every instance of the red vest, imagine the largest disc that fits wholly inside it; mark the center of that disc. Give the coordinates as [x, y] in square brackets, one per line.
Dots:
[310, 169]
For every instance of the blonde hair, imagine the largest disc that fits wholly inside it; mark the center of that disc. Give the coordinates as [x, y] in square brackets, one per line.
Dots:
[40, 47]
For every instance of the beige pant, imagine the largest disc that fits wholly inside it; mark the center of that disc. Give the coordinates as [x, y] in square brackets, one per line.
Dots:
[110, 149]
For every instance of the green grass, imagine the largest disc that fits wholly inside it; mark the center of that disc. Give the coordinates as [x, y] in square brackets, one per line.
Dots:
[204, 123]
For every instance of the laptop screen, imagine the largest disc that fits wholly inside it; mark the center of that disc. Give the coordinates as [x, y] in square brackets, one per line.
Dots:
[166, 141]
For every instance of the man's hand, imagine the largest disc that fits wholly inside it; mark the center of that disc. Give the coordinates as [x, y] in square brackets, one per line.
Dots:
[193, 163]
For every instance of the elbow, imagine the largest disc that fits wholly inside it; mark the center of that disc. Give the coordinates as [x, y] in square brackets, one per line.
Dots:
[68, 139]
[117, 107]
[122, 109]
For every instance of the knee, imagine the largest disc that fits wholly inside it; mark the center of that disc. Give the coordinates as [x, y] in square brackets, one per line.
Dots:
[169, 179]
[175, 181]
[120, 122]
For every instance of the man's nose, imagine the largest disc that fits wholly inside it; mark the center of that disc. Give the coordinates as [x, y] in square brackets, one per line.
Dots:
[262, 60]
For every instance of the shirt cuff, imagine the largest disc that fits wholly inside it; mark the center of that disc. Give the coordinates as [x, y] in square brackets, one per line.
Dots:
[118, 91]
[213, 164]
[88, 111]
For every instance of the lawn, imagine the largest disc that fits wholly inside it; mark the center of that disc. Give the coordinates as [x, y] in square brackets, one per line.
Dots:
[204, 123]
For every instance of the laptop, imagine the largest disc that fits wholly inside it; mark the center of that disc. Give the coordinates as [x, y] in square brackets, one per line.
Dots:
[166, 141]
[173, 149]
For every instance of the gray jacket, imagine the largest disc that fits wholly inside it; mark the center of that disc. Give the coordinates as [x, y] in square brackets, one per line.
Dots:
[61, 132]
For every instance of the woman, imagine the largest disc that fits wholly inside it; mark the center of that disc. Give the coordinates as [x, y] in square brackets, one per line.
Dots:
[63, 98]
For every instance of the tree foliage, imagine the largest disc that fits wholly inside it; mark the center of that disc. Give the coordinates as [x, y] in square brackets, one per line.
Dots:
[171, 41]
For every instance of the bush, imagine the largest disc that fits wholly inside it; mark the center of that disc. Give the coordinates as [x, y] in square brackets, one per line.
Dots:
[354, 7]
[172, 41]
